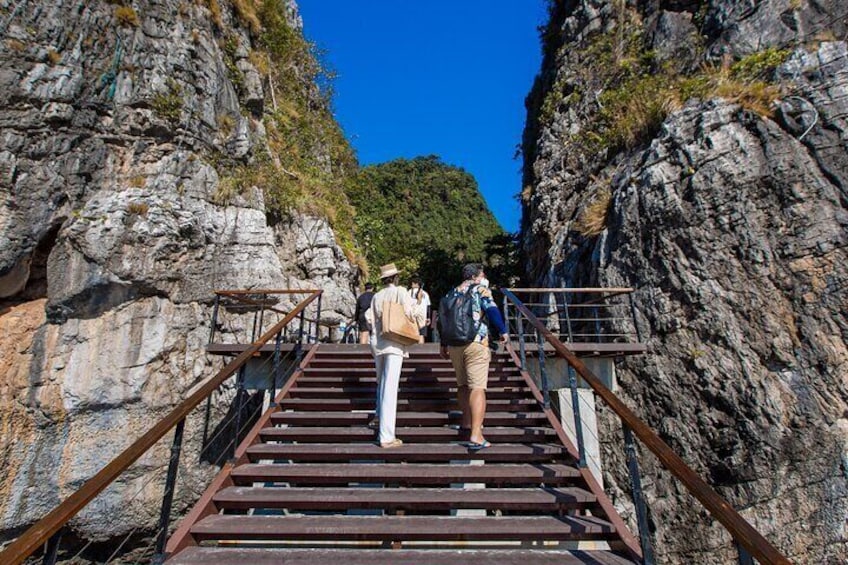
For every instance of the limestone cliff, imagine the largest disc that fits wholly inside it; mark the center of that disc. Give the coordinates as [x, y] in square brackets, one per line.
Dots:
[698, 151]
[148, 155]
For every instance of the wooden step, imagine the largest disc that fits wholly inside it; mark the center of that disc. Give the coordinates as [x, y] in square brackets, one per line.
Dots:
[404, 404]
[405, 418]
[329, 434]
[418, 393]
[324, 556]
[332, 363]
[416, 379]
[416, 499]
[401, 528]
[405, 475]
[414, 452]
[405, 371]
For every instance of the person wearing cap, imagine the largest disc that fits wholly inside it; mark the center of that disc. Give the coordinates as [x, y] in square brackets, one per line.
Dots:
[388, 354]
[363, 303]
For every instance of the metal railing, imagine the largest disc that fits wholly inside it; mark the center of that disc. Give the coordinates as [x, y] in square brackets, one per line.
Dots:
[749, 542]
[582, 315]
[231, 306]
[47, 532]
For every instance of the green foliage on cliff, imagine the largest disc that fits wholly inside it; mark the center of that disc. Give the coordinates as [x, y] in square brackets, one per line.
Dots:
[428, 218]
[306, 158]
[626, 92]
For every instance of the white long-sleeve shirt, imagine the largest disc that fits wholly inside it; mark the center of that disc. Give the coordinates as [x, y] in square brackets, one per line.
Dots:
[391, 293]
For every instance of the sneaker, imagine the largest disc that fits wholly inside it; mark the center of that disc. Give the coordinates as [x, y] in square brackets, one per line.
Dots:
[390, 444]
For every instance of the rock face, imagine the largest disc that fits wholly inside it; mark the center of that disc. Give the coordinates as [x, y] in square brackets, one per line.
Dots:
[732, 226]
[113, 235]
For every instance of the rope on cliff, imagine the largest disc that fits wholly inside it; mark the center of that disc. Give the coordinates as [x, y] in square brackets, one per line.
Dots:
[109, 78]
[814, 111]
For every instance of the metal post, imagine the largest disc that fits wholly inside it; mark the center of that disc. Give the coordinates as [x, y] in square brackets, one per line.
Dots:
[638, 499]
[578, 421]
[300, 332]
[52, 549]
[597, 324]
[238, 403]
[744, 557]
[540, 346]
[214, 317]
[506, 312]
[521, 343]
[170, 483]
[261, 317]
[318, 320]
[206, 422]
[633, 313]
[275, 373]
[567, 317]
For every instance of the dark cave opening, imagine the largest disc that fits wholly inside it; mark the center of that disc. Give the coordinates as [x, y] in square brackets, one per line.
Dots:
[28, 279]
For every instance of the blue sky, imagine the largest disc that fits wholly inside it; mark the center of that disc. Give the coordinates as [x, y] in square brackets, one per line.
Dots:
[443, 77]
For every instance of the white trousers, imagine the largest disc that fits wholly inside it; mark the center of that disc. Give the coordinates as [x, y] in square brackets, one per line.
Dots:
[387, 394]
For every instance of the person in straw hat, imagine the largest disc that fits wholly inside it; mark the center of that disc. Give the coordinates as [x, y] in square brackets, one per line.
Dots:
[388, 354]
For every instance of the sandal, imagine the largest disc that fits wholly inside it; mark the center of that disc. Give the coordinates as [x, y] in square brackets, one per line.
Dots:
[390, 444]
[475, 446]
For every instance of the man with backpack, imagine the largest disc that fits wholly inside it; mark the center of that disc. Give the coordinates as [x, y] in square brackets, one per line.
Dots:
[464, 337]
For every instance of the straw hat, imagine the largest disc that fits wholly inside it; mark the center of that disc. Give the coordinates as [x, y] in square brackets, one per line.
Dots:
[387, 271]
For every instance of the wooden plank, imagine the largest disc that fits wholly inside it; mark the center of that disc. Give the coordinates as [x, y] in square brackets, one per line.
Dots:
[409, 392]
[415, 452]
[402, 474]
[367, 371]
[617, 290]
[331, 363]
[410, 418]
[332, 434]
[324, 556]
[410, 499]
[417, 379]
[403, 404]
[401, 528]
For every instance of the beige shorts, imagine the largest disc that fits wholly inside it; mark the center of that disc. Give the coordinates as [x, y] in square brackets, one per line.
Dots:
[471, 364]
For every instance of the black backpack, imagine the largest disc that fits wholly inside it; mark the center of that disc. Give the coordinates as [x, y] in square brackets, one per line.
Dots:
[456, 318]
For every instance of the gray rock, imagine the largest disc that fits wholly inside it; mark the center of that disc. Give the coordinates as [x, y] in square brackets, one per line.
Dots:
[732, 228]
[113, 239]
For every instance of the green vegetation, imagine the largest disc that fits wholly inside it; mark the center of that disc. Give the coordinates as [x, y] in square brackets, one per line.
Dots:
[306, 159]
[169, 105]
[428, 218]
[126, 16]
[593, 218]
[634, 92]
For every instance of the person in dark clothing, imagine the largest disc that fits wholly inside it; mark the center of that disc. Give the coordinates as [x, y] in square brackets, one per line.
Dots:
[363, 303]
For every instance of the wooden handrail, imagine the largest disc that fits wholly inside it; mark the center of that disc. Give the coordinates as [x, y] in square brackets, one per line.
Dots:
[41, 531]
[268, 291]
[745, 534]
[616, 290]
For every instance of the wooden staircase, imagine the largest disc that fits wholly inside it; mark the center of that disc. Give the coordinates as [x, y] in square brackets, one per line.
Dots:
[310, 485]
